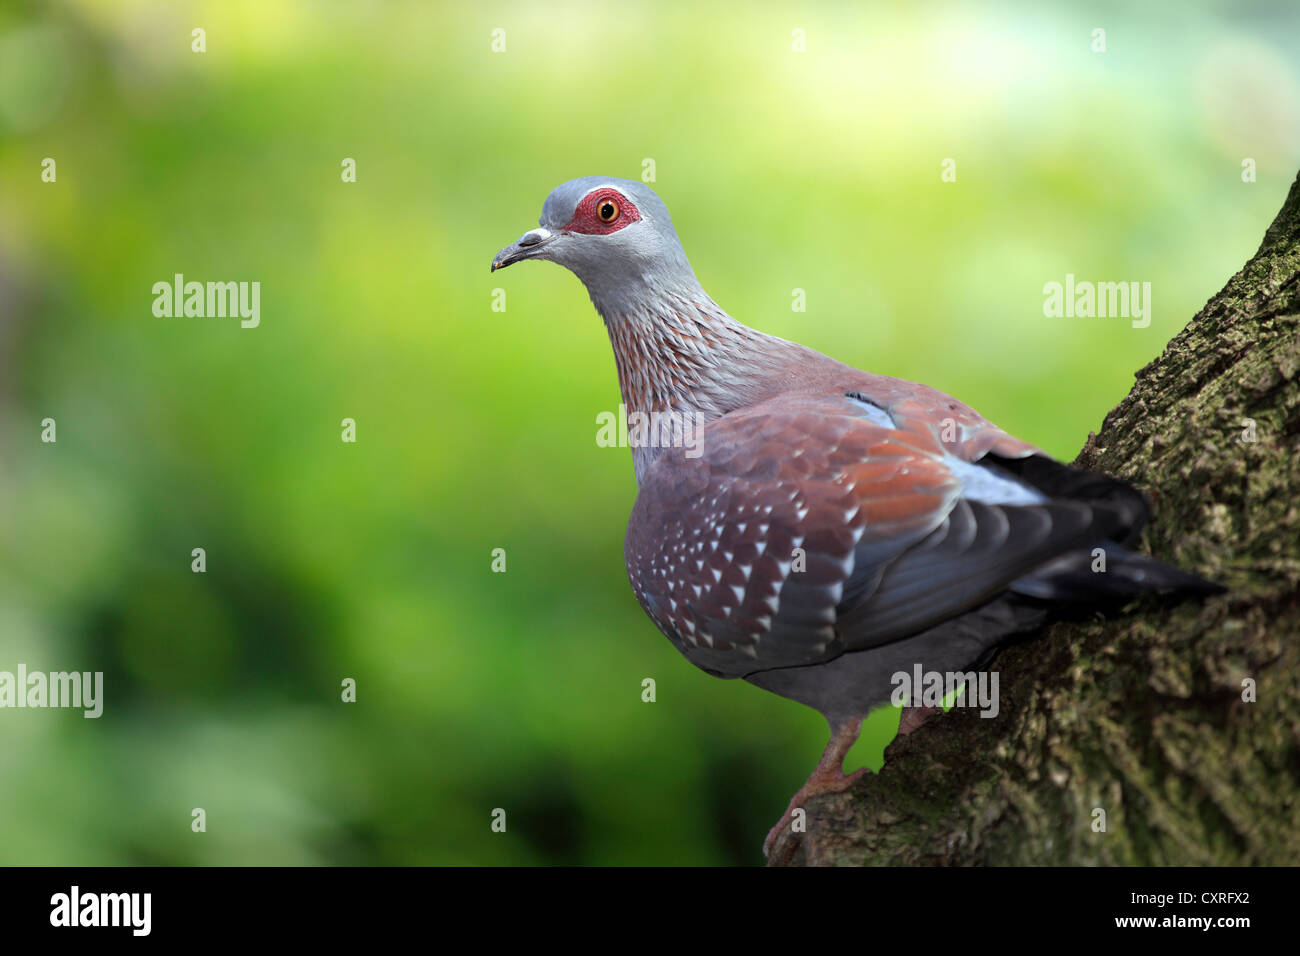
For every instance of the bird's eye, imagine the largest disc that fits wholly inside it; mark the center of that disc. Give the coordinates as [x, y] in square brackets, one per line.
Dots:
[607, 210]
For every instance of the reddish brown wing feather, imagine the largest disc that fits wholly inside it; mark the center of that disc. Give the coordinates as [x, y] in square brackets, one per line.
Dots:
[888, 545]
[932, 419]
[712, 540]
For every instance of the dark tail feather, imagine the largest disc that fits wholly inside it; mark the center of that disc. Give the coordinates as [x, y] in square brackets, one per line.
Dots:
[1064, 481]
[1072, 578]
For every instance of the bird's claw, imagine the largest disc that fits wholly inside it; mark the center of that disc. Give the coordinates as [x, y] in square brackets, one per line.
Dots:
[817, 784]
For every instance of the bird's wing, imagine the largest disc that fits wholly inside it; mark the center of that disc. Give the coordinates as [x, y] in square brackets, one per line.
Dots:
[828, 523]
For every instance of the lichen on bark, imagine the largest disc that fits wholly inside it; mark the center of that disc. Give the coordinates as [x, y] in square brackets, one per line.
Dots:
[1142, 715]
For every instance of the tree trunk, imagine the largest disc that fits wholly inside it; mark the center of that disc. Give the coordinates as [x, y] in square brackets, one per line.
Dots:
[1146, 716]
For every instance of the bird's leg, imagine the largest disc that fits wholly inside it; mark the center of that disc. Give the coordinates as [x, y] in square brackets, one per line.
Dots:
[913, 718]
[828, 777]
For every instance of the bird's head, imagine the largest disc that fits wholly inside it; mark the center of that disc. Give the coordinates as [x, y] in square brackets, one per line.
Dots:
[613, 234]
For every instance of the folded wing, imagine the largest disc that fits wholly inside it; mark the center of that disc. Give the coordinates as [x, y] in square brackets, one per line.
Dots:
[840, 522]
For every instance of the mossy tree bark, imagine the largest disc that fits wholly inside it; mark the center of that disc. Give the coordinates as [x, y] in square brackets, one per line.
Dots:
[1141, 716]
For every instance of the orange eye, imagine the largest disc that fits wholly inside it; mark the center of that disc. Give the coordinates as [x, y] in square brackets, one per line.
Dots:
[607, 210]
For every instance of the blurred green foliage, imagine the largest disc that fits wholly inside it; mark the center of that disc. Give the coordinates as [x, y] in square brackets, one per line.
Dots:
[818, 170]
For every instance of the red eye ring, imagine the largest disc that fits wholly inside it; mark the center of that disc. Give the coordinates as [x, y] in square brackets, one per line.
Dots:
[602, 211]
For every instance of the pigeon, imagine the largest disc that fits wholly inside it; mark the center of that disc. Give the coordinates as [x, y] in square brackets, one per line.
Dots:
[814, 529]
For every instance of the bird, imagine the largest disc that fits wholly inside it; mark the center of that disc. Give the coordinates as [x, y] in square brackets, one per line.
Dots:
[811, 528]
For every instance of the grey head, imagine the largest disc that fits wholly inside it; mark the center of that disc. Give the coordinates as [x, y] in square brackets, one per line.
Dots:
[613, 234]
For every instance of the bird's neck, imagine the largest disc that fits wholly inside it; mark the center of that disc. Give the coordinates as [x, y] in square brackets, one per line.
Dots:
[680, 353]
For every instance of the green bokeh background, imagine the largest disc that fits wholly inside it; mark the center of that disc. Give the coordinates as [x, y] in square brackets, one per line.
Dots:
[476, 429]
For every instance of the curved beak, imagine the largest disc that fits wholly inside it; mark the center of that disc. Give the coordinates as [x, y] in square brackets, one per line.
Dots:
[528, 246]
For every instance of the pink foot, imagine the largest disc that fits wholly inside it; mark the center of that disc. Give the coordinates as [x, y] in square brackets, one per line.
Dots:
[828, 777]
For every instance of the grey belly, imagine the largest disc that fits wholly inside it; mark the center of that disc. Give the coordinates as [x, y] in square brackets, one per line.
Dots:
[857, 682]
